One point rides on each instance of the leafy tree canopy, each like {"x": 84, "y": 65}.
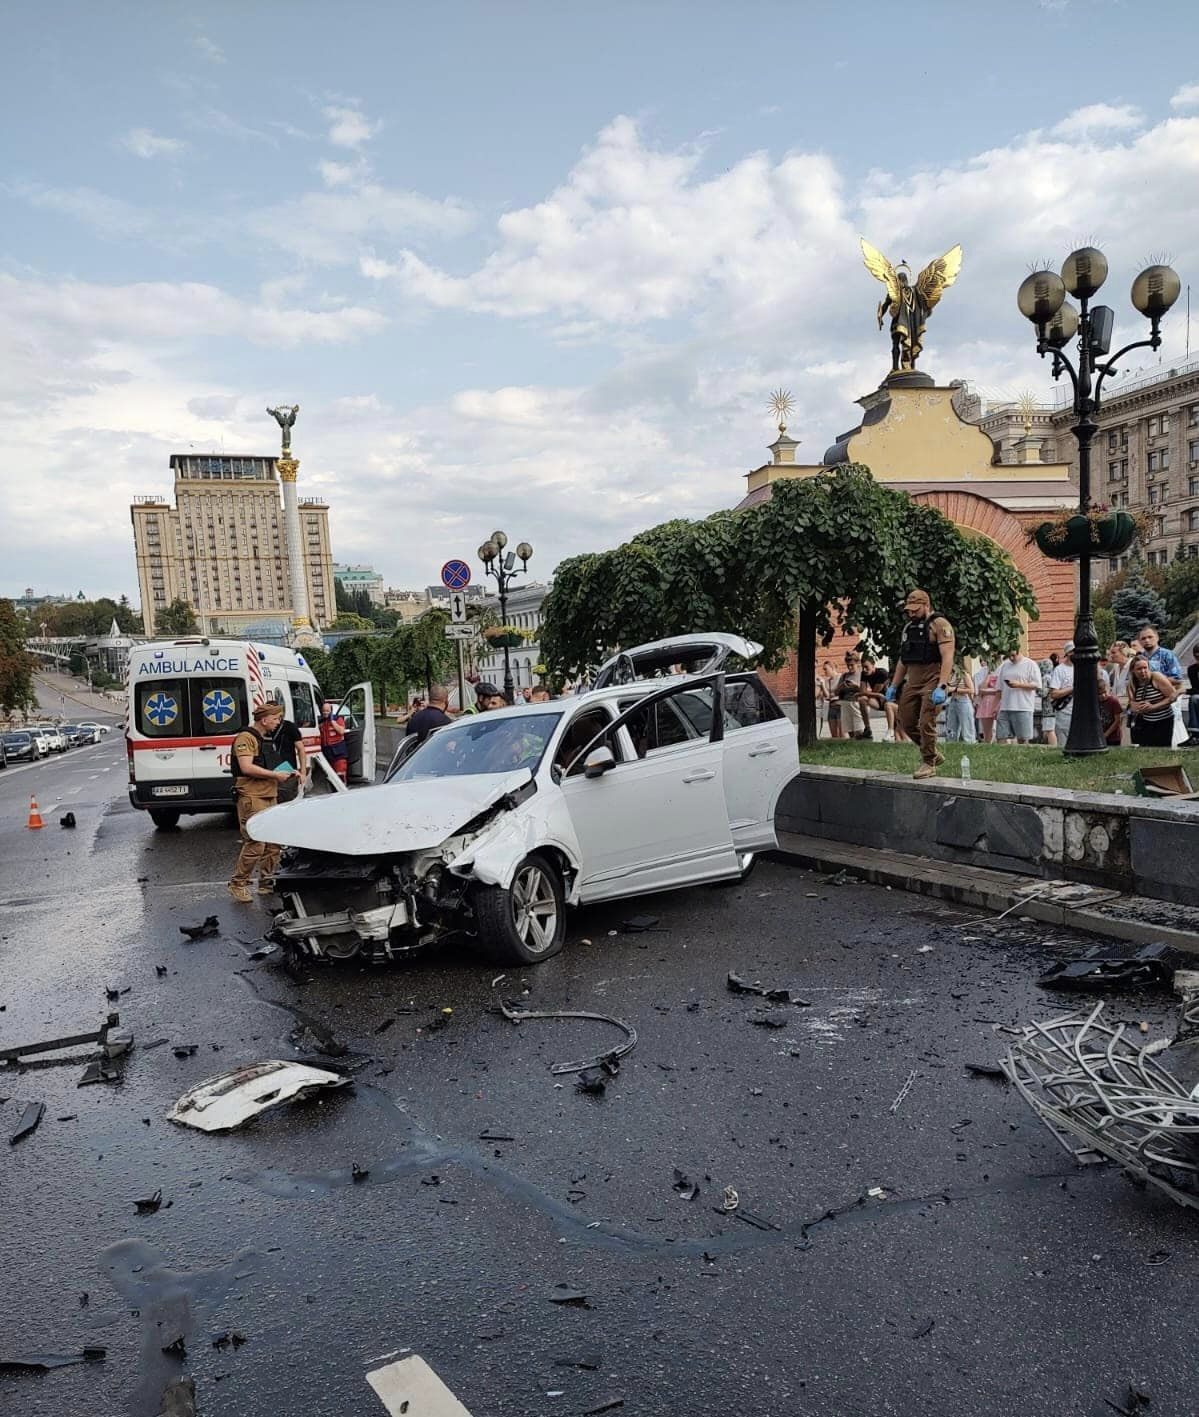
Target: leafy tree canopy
{"x": 16, "y": 663}
{"x": 177, "y": 619}
{"x": 1137, "y": 604}
{"x": 1182, "y": 596}
{"x": 837, "y": 549}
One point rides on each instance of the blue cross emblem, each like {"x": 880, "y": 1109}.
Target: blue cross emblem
{"x": 161, "y": 709}
{"x": 218, "y": 706}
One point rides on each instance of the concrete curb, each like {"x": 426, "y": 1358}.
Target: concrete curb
{"x": 969, "y": 885}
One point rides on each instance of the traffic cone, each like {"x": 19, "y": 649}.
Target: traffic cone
{"x": 35, "y": 817}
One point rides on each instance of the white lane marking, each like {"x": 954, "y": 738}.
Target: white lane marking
{"x": 412, "y": 1386}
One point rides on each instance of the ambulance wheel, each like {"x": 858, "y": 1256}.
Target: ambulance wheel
{"x": 164, "y": 818}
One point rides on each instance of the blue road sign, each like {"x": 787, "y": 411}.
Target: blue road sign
{"x": 455, "y": 575}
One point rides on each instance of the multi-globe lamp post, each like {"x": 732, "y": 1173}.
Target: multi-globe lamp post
{"x": 503, "y": 568}
{"x": 1042, "y": 299}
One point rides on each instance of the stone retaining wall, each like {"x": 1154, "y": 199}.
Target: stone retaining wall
{"x": 1132, "y": 844}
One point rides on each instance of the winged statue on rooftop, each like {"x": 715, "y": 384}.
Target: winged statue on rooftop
{"x": 285, "y": 417}
{"x": 910, "y": 304}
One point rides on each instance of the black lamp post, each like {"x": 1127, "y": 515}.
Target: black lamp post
{"x": 1042, "y": 299}
{"x": 502, "y": 567}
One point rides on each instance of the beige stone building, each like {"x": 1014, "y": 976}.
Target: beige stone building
{"x": 222, "y": 547}
{"x": 1145, "y": 457}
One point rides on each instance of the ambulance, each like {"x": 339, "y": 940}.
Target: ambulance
{"x": 189, "y": 698}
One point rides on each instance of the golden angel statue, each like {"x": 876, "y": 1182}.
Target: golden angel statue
{"x": 910, "y": 305}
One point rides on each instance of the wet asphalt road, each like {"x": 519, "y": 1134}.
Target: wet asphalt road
{"x": 993, "y": 1277}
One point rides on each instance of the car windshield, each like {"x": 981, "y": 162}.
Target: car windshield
{"x": 17, "y": 738}
{"x": 483, "y": 744}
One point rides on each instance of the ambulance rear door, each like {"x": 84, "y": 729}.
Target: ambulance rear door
{"x": 357, "y": 712}
{"x": 160, "y": 743}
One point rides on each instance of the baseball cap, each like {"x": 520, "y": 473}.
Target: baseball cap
{"x": 1068, "y": 647}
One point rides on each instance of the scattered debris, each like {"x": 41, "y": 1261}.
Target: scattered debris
{"x": 568, "y": 1294}
{"x": 411, "y": 1386}
{"x": 385, "y": 1025}
{"x": 731, "y": 1199}
{"x": 737, "y": 985}
{"x": 229, "y": 1337}
{"x": 1102, "y": 1095}
{"x": 640, "y": 924}
{"x": 1168, "y": 781}
{"x": 925, "y": 1329}
{"x": 99, "y": 1071}
{"x": 178, "y": 1399}
{"x": 495, "y": 1136}
{"x": 986, "y": 1070}
{"x": 877, "y": 1193}
{"x": 204, "y": 931}
{"x": 904, "y": 1090}
{"x": 358, "y": 1173}
{"x": 925, "y": 950}
{"x": 610, "y": 1406}
{"x": 110, "y": 1036}
{"x": 185, "y": 1050}
{"x": 44, "y": 1362}
{"x": 267, "y": 951}
{"x": 28, "y": 1121}
{"x": 67, "y": 820}
{"x": 177, "y": 1348}
{"x": 612, "y": 1055}
{"x": 149, "y": 1205}
{"x": 592, "y": 1081}
{"x": 685, "y": 1186}
{"x": 1100, "y": 969}
{"x": 219, "y": 1104}
{"x": 160, "y": 970}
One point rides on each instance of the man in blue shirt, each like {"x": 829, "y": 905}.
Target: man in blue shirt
{"x": 1161, "y": 660}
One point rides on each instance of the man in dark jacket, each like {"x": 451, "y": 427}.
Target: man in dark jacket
{"x": 425, "y": 720}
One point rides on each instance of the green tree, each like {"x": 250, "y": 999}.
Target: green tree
{"x": 1105, "y": 628}
{"x": 16, "y": 663}
{"x": 837, "y": 549}
{"x": 1153, "y": 576}
{"x": 1182, "y": 597}
{"x": 321, "y": 663}
{"x": 342, "y": 598}
{"x": 347, "y": 620}
{"x": 177, "y": 619}
{"x": 1137, "y": 604}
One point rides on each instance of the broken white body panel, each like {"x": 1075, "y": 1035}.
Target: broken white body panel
{"x": 636, "y": 787}
{"x": 412, "y": 1388}
{"x": 219, "y": 1104}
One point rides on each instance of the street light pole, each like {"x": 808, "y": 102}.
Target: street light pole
{"x": 502, "y": 569}
{"x": 1042, "y": 299}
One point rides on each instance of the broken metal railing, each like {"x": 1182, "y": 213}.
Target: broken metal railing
{"x": 1102, "y": 1095}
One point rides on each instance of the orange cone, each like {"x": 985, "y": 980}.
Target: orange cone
{"x": 35, "y": 817}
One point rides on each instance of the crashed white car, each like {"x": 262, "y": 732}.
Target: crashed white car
{"x": 499, "y": 821}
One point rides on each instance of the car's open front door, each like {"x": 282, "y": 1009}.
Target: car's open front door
{"x": 357, "y": 712}
{"x": 657, "y": 818}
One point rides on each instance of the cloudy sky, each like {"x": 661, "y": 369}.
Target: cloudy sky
{"x": 534, "y": 264}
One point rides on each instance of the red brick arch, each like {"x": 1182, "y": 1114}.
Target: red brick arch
{"x": 1053, "y": 582}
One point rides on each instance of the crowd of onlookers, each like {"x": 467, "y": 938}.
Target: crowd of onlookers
{"x": 1142, "y": 691}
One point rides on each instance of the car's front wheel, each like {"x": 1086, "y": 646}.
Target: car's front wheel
{"x": 527, "y": 922}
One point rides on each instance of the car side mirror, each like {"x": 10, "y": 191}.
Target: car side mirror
{"x": 599, "y": 762}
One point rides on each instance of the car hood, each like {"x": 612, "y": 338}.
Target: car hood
{"x": 395, "y": 817}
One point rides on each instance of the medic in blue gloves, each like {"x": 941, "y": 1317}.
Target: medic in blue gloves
{"x": 920, "y": 683}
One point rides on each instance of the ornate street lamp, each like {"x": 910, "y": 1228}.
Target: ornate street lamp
{"x": 1042, "y": 300}
{"x": 502, "y": 568}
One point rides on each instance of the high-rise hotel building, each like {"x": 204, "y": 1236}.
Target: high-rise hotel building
{"x": 222, "y": 547}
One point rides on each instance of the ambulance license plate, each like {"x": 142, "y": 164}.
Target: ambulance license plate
{"x": 168, "y": 792}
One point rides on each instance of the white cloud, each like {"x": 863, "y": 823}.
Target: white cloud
{"x": 224, "y": 125}
{"x": 111, "y": 216}
{"x": 349, "y": 127}
{"x": 1099, "y": 118}
{"x": 342, "y": 174}
{"x": 141, "y": 142}
{"x": 210, "y": 51}
{"x": 1185, "y": 97}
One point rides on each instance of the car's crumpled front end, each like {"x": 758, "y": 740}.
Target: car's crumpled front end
{"x": 386, "y": 902}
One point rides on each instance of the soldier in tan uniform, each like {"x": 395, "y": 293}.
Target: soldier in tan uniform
{"x": 256, "y": 780}
{"x": 921, "y": 678}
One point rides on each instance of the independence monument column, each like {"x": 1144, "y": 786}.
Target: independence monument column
{"x": 302, "y": 632}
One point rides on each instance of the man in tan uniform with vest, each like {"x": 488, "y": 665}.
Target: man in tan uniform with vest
{"x": 256, "y": 780}
{"x": 921, "y": 678}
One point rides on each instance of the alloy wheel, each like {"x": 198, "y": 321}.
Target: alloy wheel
{"x": 534, "y": 908}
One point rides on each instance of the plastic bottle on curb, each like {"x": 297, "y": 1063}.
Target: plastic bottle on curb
{"x": 965, "y": 767}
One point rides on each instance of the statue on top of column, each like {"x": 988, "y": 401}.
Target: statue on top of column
{"x": 285, "y": 417}
{"x": 910, "y": 305}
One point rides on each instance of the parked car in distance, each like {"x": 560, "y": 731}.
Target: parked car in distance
{"x": 666, "y": 776}
{"x": 80, "y": 733}
{"x": 100, "y": 728}
{"x": 3, "y": 753}
{"x": 20, "y": 746}
{"x": 42, "y": 742}
{"x": 56, "y": 742}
